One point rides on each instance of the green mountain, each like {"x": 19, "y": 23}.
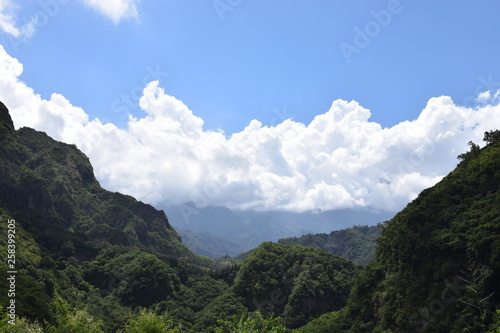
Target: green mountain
{"x": 357, "y": 243}
{"x": 84, "y": 259}
{"x": 209, "y": 245}
{"x": 437, "y": 266}
{"x": 52, "y": 184}
{"x": 295, "y": 282}
{"x": 78, "y": 258}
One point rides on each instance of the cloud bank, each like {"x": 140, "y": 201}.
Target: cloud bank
{"x": 340, "y": 160}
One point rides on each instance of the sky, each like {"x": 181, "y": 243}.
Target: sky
{"x": 265, "y": 105}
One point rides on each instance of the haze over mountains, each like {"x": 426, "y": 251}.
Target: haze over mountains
{"x": 245, "y": 230}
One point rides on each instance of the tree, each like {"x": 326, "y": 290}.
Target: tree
{"x": 474, "y": 152}
{"x": 253, "y": 323}
{"x": 73, "y": 321}
{"x": 23, "y": 325}
{"x": 492, "y": 137}
{"x": 149, "y": 322}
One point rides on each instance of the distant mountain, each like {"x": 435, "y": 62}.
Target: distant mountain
{"x": 357, "y": 243}
{"x": 249, "y": 229}
{"x": 86, "y": 259}
{"x": 208, "y": 245}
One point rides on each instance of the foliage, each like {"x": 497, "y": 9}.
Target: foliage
{"x": 297, "y": 282}
{"x": 356, "y": 243}
{"x": 103, "y": 253}
{"x": 149, "y": 322}
{"x": 22, "y": 325}
{"x": 250, "y": 323}
{"x": 438, "y": 261}
{"x": 73, "y": 321}
{"x": 209, "y": 245}
{"x": 87, "y": 258}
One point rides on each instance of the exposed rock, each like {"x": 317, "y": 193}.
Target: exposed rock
{"x": 5, "y": 119}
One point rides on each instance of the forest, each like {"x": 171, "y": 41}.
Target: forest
{"x": 89, "y": 260}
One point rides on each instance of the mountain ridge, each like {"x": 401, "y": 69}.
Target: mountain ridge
{"x": 437, "y": 261}
{"x": 92, "y": 260}
{"x": 100, "y": 261}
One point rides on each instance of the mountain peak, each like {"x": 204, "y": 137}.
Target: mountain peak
{"x": 5, "y": 118}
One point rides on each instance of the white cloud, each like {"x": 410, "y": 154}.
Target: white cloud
{"x": 8, "y": 21}
{"x": 116, "y": 10}
{"x": 339, "y": 160}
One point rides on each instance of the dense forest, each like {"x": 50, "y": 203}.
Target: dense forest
{"x": 356, "y": 244}
{"x": 88, "y": 260}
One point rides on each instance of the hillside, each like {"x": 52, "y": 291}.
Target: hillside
{"x": 42, "y": 179}
{"x": 295, "y": 282}
{"x": 437, "y": 266}
{"x": 209, "y": 245}
{"x": 88, "y": 260}
{"x": 357, "y": 243}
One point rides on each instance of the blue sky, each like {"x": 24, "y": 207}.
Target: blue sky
{"x": 264, "y": 59}
{"x": 213, "y": 129}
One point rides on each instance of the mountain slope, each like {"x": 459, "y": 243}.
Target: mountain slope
{"x": 55, "y": 182}
{"x": 208, "y": 245}
{"x": 73, "y": 239}
{"x": 356, "y": 243}
{"x": 438, "y": 261}
{"x": 91, "y": 260}
{"x": 298, "y": 283}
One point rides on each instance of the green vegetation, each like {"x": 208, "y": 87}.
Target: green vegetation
{"x": 297, "y": 283}
{"x": 438, "y": 261}
{"x": 248, "y": 324}
{"x": 357, "y": 243}
{"x": 89, "y": 260}
{"x": 209, "y": 245}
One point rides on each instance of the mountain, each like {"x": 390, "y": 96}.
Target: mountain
{"x": 248, "y": 228}
{"x": 78, "y": 258}
{"x": 295, "y": 282}
{"x": 208, "y": 245}
{"x": 357, "y": 243}
{"x": 54, "y": 184}
{"x": 437, "y": 266}
{"x": 85, "y": 259}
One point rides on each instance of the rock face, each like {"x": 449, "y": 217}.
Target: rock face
{"x": 5, "y": 119}
{"x": 55, "y": 183}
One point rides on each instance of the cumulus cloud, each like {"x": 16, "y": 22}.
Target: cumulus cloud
{"x": 116, "y": 10}
{"x": 340, "y": 160}
{"x": 8, "y": 21}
